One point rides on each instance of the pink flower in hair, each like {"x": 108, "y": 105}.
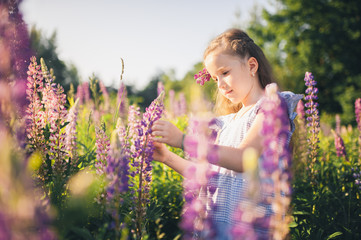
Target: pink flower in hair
{"x": 202, "y": 77}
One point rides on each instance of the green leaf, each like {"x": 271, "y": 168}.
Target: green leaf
{"x": 300, "y": 213}
{"x": 82, "y": 232}
{"x": 333, "y": 235}
{"x": 64, "y": 125}
{"x": 292, "y": 225}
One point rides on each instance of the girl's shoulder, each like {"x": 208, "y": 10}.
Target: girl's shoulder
{"x": 291, "y": 99}
{"x": 220, "y": 121}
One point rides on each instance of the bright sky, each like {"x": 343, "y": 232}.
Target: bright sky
{"x": 151, "y": 36}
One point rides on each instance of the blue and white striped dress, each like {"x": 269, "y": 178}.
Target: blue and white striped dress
{"x": 231, "y": 186}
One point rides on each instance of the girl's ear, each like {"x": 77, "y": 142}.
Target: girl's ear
{"x": 252, "y": 65}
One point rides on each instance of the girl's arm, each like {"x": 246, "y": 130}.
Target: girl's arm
{"x": 172, "y": 160}
{"x": 232, "y": 158}
{"x": 228, "y": 157}
{"x": 168, "y": 133}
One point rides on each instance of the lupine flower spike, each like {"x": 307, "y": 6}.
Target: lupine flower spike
{"x": 313, "y": 120}
{"x": 117, "y": 173}
{"x": 70, "y": 138}
{"x": 105, "y": 93}
{"x": 276, "y": 161}
{"x": 358, "y": 120}
{"x": 143, "y": 153}
{"x": 102, "y": 146}
{"x": 196, "y": 220}
{"x": 339, "y": 145}
{"x": 35, "y": 117}
{"x": 54, "y": 100}
{"x": 202, "y": 77}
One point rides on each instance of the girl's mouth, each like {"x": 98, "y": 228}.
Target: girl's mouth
{"x": 228, "y": 92}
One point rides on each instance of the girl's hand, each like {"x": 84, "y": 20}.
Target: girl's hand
{"x": 160, "y": 153}
{"x": 168, "y": 133}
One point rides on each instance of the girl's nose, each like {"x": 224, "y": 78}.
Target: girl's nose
{"x": 221, "y": 83}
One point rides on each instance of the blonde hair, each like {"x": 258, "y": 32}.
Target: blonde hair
{"x": 236, "y": 42}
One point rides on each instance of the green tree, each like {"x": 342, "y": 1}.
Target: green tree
{"x": 46, "y": 48}
{"x": 320, "y": 36}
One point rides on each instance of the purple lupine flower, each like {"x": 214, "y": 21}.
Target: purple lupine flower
{"x": 70, "y": 138}
{"x": 117, "y": 173}
{"x": 102, "y": 145}
{"x": 313, "y": 120}
{"x": 275, "y": 168}
{"x": 202, "y": 77}
{"x": 15, "y": 53}
{"x": 339, "y": 145}
{"x": 143, "y": 156}
{"x": 118, "y": 161}
{"x": 197, "y": 187}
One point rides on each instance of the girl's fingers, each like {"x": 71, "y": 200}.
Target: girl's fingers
{"x": 160, "y": 140}
{"x": 157, "y": 133}
{"x": 157, "y": 126}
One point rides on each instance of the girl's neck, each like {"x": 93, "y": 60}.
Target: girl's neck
{"x": 254, "y": 95}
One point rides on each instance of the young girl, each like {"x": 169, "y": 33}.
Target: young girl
{"x": 242, "y": 73}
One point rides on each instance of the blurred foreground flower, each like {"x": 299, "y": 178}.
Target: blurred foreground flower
{"x": 199, "y": 145}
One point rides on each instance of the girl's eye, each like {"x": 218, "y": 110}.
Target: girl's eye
{"x": 225, "y": 73}
{"x": 215, "y": 79}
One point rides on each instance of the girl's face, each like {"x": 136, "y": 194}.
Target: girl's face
{"x": 232, "y": 74}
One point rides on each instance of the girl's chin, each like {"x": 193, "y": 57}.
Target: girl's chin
{"x": 234, "y": 100}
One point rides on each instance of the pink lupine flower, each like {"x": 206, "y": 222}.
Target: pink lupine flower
{"x": 275, "y": 170}
{"x": 86, "y": 92}
{"x": 340, "y": 146}
{"x": 202, "y": 77}
{"x": 196, "y": 221}
{"x": 80, "y": 94}
{"x": 121, "y": 100}
{"x": 143, "y": 155}
{"x": 70, "y": 138}
{"x": 358, "y": 121}
{"x": 34, "y": 114}
{"x": 54, "y": 100}
{"x": 104, "y": 90}
{"x": 102, "y": 146}
{"x": 358, "y": 113}
{"x": 182, "y": 104}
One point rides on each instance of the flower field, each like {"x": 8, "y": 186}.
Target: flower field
{"x": 79, "y": 166}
